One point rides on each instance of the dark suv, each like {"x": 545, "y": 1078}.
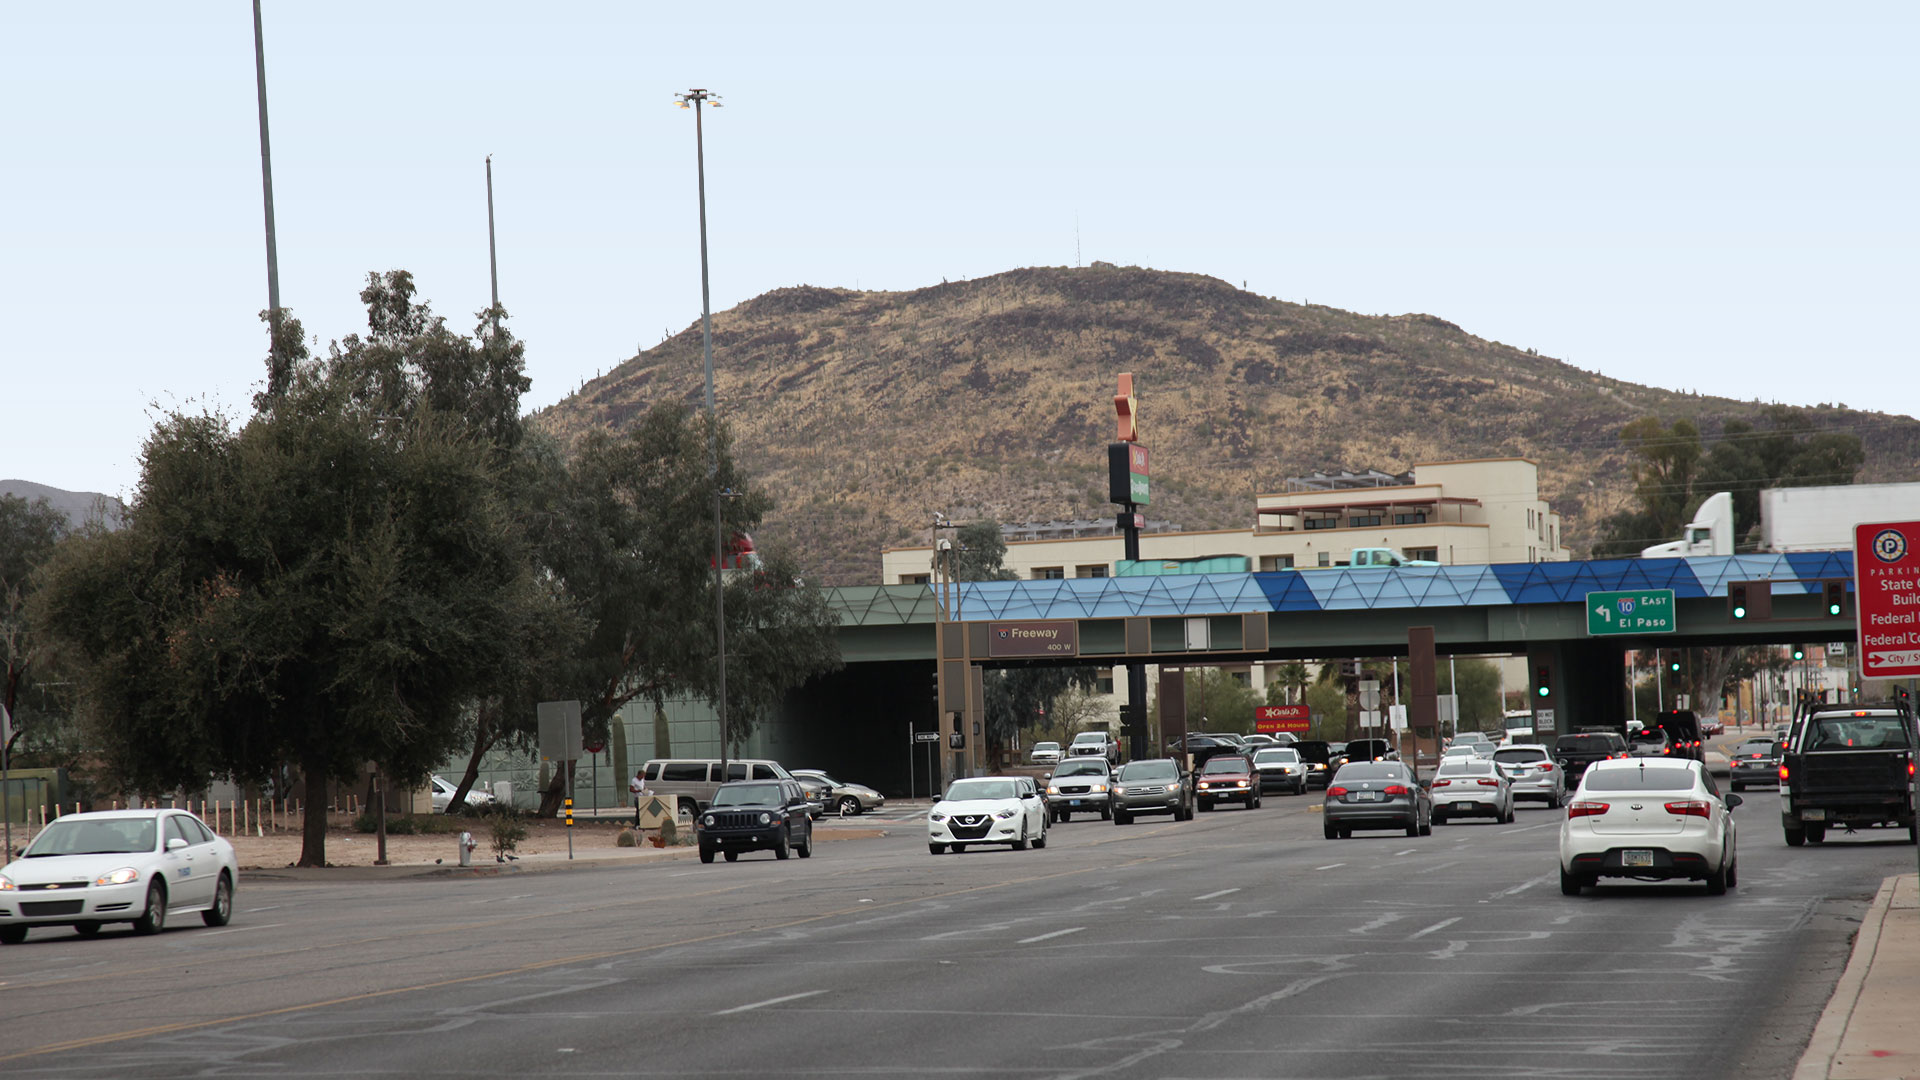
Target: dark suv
{"x": 756, "y": 815}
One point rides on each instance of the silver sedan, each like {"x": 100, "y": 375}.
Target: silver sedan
{"x": 846, "y": 799}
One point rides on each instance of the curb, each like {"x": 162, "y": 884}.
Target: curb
{"x": 1817, "y": 1062}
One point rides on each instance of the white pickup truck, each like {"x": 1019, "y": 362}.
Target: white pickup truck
{"x": 1095, "y": 744}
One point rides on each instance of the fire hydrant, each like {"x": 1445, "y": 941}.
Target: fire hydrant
{"x": 466, "y": 849}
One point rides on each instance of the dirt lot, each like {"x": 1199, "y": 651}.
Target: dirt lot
{"x": 346, "y": 847}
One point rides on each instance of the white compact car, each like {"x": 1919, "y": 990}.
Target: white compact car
{"x": 1471, "y": 787}
{"x": 1654, "y": 819}
{"x": 443, "y": 790}
{"x": 988, "y": 810}
{"x": 132, "y": 866}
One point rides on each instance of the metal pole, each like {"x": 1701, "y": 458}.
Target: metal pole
{"x": 6, "y": 781}
{"x": 493, "y": 264}
{"x": 1659, "y": 682}
{"x": 276, "y": 374}
{"x": 699, "y": 98}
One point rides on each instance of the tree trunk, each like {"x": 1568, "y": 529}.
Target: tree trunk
{"x": 313, "y": 829}
{"x": 1715, "y": 663}
{"x": 483, "y": 740}
{"x": 556, "y": 793}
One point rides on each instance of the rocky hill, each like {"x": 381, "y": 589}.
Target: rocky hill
{"x": 866, "y": 412}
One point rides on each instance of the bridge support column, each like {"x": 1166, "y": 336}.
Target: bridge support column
{"x": 1423, "y": 714}
{"x": 1584, "y": 687}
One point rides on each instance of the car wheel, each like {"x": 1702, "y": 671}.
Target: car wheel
{"x": 1413, "y": 825}
{"x": 1733, "y": 872}
{"x": 1913, "y": 833}
{"x": 1121, "y": 817}
{"x": 805, "y": 850}
{"x": 1201, "y": 805}
{"x": 221, "y": 912}
{"x": 1346, "y": 834}
{"x": 1020, "y": 844}
{"x": 1255, "y": 805}
{"x": 706, "y": 854}
{"x": 849, "y": 806}
{"x": 154, "y": 919}
{"x": 1106, "y": 813}
{"x": 87, "y": 929}
{"x": 958, "y": 848}
{"x": 936, "y": 849}
{"x": 1816, "y": 834}
{"x": 1427, "y": 829}
{"x": 1796, "y": 837}
{"x": 1332, "y": 833}
{"x": 1717, "y": 882}
{"x": 1041, "y": 840}
{"x": 781, "y": 848}
{"x": 12, "y": 935}
{"x": 1569, "y": 885}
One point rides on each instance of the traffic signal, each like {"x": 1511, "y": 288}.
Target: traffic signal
{"x": 1836, "y": 596}
{"x": 1799, "y": 652}
{"x": 1675, "y": 665}
{"x": 1543, "y": 680}
{"x": 1737, "y": 600}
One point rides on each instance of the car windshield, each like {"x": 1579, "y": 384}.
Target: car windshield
{"x": 1150, "y": 770}
{"x": 1470, "y": 736}
{"x": 1470, "y": 767}
{"x": 1855, "y": 733}
{"x": 747, "y": 795}
{"x": 1225, "y": 763}
{"x": 966, "y": 790}
{"x": 1643, "y": 778}
{"x": 1459, "y": 752}
{"x": 109, "y": 836}
{"x": 1094, "y": 767}
{"x": 1370, "y": 770}
{"x": 1520, "y": 753}
{"x": 1276, "y": 754}
{"x": 1046, "y": 746}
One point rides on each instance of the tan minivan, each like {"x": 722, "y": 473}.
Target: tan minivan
{"x": 689, "y": 783}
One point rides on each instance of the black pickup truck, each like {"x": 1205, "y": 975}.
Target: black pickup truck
{"x": 1847, "y": 767}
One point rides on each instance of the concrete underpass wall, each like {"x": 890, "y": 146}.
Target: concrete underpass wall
{"x": 854, "y": 724}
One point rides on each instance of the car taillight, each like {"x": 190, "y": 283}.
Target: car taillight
{"x": 1783, "y": 774}
{"x": 1489, "y": 783}
{"x": 1396, "y": 789}
{"x": 1689, "y": 808}
{"x": 1909, "y": 768}
{"x": 1443, "y": 783}
{"x": 1546, "y": 766}
{"x": 1336, "y": 790}
{"x": 1586, "y": 809}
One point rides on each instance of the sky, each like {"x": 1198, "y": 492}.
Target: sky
{"x": 1703, "y": 197}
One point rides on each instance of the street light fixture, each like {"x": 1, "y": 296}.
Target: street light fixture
{"x": 695, "y": 99}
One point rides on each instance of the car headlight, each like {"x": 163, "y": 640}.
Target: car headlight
{"x": 766, "y": 819}
{"x": 1097, "y": 788}
{"x": 708, "y": 820}
{"x": 1007, "y": 813}
{"x": 1053, "y": 789}
{"x": 1119, "y": 789}
{"x": 1239, "y": 783}
{"x": 6, "y": 884}
{"x": 118, "y": 877}
{"x": 936, "y": 816}
{"x": 1204, "y": 785}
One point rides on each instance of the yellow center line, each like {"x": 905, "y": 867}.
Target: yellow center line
{"x": 581, "y": 958}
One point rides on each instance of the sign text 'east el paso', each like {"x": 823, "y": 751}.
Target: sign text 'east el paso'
{"x": 1043, "y": 637}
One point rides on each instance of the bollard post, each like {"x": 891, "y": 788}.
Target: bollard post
{"x": 569, "y": 827}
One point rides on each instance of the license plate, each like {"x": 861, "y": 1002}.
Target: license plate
{"x": 1074, "y": 802}
{"x": 1368, "y": 796}
{"x": 1636, "y": 858}
{"x": 1813, "y": 815}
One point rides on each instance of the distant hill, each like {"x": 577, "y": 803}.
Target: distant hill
{"x": 79, "y": 506}
{"x": 866, "y": 412}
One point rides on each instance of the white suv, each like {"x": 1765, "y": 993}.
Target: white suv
{"x": 1095, "y": 744}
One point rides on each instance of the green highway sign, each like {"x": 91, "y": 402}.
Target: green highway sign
{"x": 1641, "y": 611}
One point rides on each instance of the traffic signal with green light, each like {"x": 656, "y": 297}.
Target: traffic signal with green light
{"x": 1737, "y": 600}
{"x": 1835, "y": 592}
{"x": 1799, "y": 652}
{"x": 1675, "y": 665}
{"x": 1543, "y": 681}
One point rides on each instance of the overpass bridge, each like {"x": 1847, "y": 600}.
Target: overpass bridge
{"x": 890, "y": 634}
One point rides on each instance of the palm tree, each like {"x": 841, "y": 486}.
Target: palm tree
{"x": 1292, "y": 681}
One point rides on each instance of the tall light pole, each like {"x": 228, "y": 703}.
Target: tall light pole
{"x": 695, "y": 99}
{"x": 278, "y": 376}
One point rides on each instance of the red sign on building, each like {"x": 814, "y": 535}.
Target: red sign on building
{"x": 1886, "y": 602}
{"x": 1272, "y": 719}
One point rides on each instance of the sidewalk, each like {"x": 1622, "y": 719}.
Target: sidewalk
{"x": 1867, "y": 1031}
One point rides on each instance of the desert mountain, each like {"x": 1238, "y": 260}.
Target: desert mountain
{"x": 866, "y": 412}
{"x": 79, "y": 506}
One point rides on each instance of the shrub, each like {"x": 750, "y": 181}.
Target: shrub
{"x": 507, "y": 834}
{"x": 404, "y": 824}
{"x": 625, "y": 839}
{"x": 669, "y": 831}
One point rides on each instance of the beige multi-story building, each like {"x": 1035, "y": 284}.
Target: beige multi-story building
{"x": 1451, "y": 512}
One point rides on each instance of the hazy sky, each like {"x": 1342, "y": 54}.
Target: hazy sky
{"x": 1701, "y": 197}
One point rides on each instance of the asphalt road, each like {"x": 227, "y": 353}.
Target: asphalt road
{"x": 1241, "y": 944}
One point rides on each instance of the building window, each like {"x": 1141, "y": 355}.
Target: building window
{"x": 1049, "y": 573}
{"x": 1090, "y": 571}
{"x": 1321, "y": 523}
{"x": 1326, "y": 558}
{"x": 1431, "y": 554}
{"x": 1104, "y": 684}
{"x": 1361, "y": 521}
{"x": 1276, "y": 562}
{"x": 916, "y": 579}
{"x": 1418, "y": 517}
{"x": 1241, "y": 677}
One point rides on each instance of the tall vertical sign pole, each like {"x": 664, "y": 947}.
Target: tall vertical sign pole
{"x": 493, "y": 262}
{"x": 6, "y": 782}
{"x": 278, "y": 377}
{"x": 1127, "y": 485}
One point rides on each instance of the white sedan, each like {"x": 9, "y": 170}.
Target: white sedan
{"x": 1654, "y": 819}
{"x": 132, "y": 866}
{"x": 443, "y": 791}
{"x": 988, "y": 810}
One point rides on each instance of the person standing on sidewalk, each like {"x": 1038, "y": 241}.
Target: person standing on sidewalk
{"x": 637, "y": 788}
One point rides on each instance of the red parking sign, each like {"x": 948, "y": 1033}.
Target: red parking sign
{"x": 1272, "y": 719}
{"x": 1886, "y": 602}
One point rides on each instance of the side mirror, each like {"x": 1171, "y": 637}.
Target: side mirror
{"x": 176, "y": 844}
{"x": 1028, "y": 795}
{"x": 1732, "y": 801}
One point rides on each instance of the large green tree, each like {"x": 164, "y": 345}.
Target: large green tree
{"x": 28, "y": 533}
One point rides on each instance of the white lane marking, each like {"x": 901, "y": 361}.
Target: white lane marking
{"x": 1217, "y": 892}
{"x": 254, "y": 910}
{"x": 1530, "y": 828}
{"x": 1522, "y": 887}
{"x": 1330, "y": 866}
{"x": 1441, "y": 925}
{"x": 237, "y": 929}
{"x": 1409, "y": 851}
{"x": 769, "y": 1001}
{"x": 1055, "y": 934}
{"x": 1389, "y": 917}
